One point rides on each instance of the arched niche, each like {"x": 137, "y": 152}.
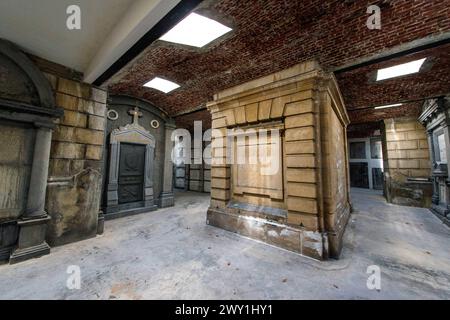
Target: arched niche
{"x": 27, "y": 118}
{"x": 134, "y": 125}
{"x": 23, "y": 87}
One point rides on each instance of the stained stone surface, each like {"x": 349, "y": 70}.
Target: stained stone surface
{"x": 73, "y": 205}
{"x": 172, "y": 254}
{"x": 15, "y": 168}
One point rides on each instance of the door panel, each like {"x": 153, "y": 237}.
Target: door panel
{"x": 359, "y": 175}
{"x": 131, "y": 173}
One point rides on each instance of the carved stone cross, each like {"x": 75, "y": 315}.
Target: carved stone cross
{"x": 136, "y": 115}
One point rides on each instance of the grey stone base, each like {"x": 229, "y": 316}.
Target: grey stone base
{"x": 20, "y": 255}
{"x": 129, "y": 212}
{"x": 441, "y": 213}
{"x": 335, "y": 239}
{"x": 166, "y": 200}
{"x": 100, "y": 223}
{"x": 307, "y": 243}
{"x": 5, "y": 254}
{"x": 31, "y": 243}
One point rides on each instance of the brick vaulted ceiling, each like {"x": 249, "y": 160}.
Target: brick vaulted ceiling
{"x": 271, "y": 35}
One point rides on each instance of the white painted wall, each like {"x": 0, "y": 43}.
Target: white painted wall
{"x": 108, "y": 29}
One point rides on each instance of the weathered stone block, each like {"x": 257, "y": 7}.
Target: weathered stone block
{"x": 65, "y": 167}
{"x": 423, "y": 144}
{"x": 73, "y": 206}
{"x": 308, "y": 221}
{"x": 74, "y": 119}
{"x": 397, "y": 154}
{"x": 88, "y": 136}
{"x": 303, "y": 120}
{"x": 220, "y": 172}
{"x": 65, "y": 150}
{"x": 219, "y": 123}
{"x": 264, "y": 109}
{"x": 74, "y": 88}
{"x": 303, "y": 190}
{"x": 94, "y": 152}
{"x": 417, "y": 135}
{"x": 251, "y": 112}
{"x": 408, "y": 164}
{"x": 221, "y": 183}
{"x": 306, "y": 133}
{"x": 425, "y": 164}
{"x": 402, "y": 145}
{"x": 67, "y": 102}
{"x": 220, "y": 194}
{"x": 300, "y": 161}
{"x": 99, "y": 95}
{"x": 239, "y": 115}
{"x": 302, "y": 205}
{"x": 301, "y": 175}
{"x": 420, "y": 173}
{"x": 64, "y": 134}
{"x": 396, "y": 136}
{"x": 229, "y": 116}
{"x": 418, "y": 154}
{"x": 96, "y": 123}
{"x": 299, "y": 107}
{"x": 194, "y": 174}
{"x": 405, "y": 126}
{"x": 300, "y": 147}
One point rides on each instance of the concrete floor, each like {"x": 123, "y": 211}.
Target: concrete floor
{"x": 172, "y": 254}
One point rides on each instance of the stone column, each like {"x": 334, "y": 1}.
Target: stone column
{"x": 435, "y": 197}
{"x": 445, "y": 126}
{"x": 148, "y": 191}
{"x": 112, "y": 196}
{"x": 33, "y": 223}
{"x": 167, "y": 197}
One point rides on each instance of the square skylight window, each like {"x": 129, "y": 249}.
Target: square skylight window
{"x": 163, "y": 85}
{"x": 400, "y": 70}
{"x": 390, "y": 106}
{"x": 195, "y": 30}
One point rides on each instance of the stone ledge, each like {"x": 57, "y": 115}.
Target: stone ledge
{"x": 304, "y": 242}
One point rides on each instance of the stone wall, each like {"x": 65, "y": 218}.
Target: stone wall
{"x": 199, "y": 177}
{"x": 304, "y": 206}
{"x": 75, "y": 172}
{"x": 406, "y": 162}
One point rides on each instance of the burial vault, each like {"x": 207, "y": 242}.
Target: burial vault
{"x": 304, "y": 205}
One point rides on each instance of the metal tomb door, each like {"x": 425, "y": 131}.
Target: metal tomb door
{"x": 131, "y": 173}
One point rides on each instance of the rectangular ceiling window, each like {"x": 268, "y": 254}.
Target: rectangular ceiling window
{"x": 163, "y": 85}
{"x": 389, "y": 106}
{"x": 195, "y": 30}
{"x": 400, "y": 70}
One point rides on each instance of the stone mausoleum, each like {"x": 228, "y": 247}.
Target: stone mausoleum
{"x": 179, "y": 135}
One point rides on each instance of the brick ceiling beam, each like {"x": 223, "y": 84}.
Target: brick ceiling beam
{"x": 398, "y": 51}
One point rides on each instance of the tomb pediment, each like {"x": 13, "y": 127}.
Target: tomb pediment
{"x": 132, "y": 133}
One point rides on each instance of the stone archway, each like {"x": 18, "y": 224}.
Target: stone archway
{"x": 26, "y": 101}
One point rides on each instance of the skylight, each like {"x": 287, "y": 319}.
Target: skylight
{"x": 390, "y": 106}
{"x": 195, "y": 30}
{"x": 400, "y": 70}
{"x": 163, "y": 85}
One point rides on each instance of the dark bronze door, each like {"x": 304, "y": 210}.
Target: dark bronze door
{"x": 131, "y": 173}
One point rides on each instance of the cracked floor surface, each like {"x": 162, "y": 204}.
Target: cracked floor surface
{"x": 173, "y": 254}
